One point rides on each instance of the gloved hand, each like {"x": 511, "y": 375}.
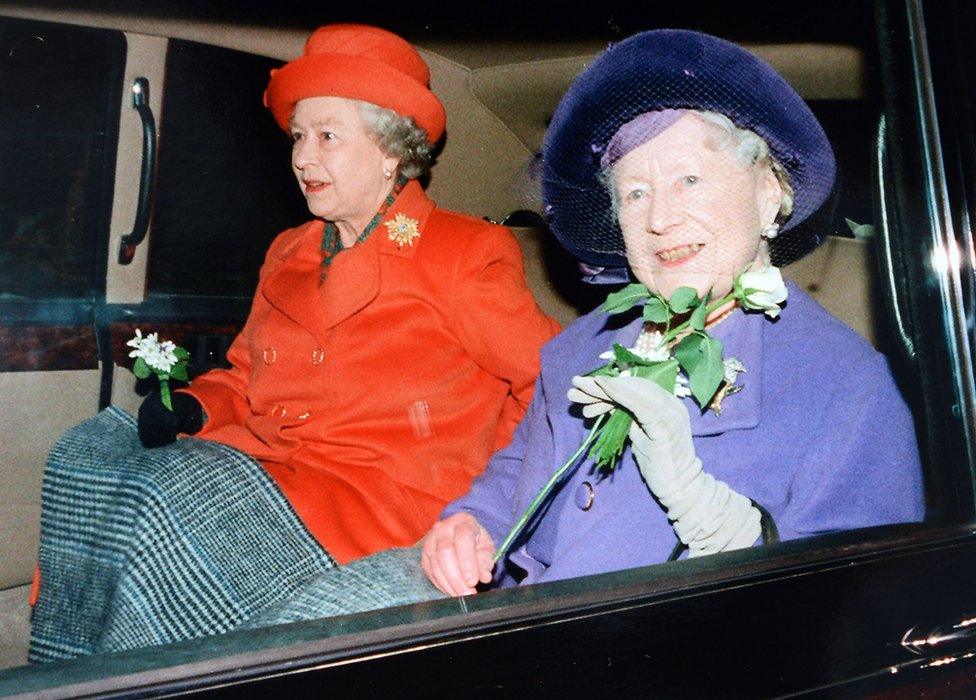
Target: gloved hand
{"x": 708, "y": 516}
{"x": 158, "y": 426}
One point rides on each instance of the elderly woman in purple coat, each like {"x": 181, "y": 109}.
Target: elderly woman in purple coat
{"x": 739, "y": 410}
{"x": 692, "y": 162}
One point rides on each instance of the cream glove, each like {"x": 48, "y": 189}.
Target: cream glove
{"x": 708, "y": 516}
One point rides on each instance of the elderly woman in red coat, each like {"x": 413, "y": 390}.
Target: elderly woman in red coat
{"x": 391, "y": 347}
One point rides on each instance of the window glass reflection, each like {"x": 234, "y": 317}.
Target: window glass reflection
{"x": 57, "y": 127}
{"x": 224, "y": 187}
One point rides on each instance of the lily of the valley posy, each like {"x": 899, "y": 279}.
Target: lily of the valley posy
{"x": 160, "y": 357}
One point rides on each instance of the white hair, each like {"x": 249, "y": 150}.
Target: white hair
{"x": 747, "y": 145}
{"x": 398, "y": 137}
{"x": 750, "y": 147}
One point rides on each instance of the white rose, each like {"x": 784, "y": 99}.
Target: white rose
{"x": 762, "y": 290}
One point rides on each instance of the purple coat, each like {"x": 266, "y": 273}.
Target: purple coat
{"x": 820, "y": 436}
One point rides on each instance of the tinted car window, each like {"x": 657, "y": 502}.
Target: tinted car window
{"x": 58, "y": 129}
{"x": 850, "y": 127}
{"x": 224, "y": 186}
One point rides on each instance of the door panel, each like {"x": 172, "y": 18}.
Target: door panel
{"x": 145, "y": 59}
{"x": 224, "y": 190}
{"x": 59, "y": 122}
{"x": 37, "y": 408}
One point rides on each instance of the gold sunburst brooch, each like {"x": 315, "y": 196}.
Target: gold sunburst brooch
{"x": 403, "y": 230}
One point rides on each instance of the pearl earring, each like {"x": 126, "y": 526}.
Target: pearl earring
{"x": 769, "y": 231}
{"x": 387, "y": 173}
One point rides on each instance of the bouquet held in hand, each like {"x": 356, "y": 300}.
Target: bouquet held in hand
{"x": 160, "y": 357}
{"x": 674, "y": 351}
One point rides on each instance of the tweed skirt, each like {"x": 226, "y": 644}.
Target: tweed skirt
{"x": 142, "y": 547}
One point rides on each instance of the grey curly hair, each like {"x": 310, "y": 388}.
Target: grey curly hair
{"x": 398, "y": 137}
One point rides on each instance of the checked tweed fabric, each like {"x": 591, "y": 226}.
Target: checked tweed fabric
{"x": 382, "y": 580}
{"x": 142, "y": 547}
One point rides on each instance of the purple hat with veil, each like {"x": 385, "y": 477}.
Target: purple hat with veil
{"x": 597, "y": 122}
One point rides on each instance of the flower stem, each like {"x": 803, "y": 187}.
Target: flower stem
{"x": 719, "y": 303}
{"x": 609, "y": 444}
{"x": 544, "y": 493}
{"x": 164, "y": 392}
{"x": 672, "y": 333}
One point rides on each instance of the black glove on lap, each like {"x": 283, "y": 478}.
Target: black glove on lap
{"x": 159, "y": 426}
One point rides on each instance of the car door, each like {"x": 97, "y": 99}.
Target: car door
{"x": 59, "y": 132}
{"x": 133, "y": 194}
{"x": 222, "y": 190}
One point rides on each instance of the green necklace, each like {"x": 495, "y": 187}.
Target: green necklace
{"x": 332, "y": 241}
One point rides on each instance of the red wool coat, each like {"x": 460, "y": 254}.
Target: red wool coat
{"x": 374, "y": 399}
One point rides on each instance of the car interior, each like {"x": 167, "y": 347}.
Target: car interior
{"x": 224, "y": 189}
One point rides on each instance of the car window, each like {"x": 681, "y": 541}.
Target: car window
{"x": 224, "y": 185}
{"x": 58, "y": 128}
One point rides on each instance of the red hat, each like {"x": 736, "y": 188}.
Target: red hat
{"x": 362, "y": 63}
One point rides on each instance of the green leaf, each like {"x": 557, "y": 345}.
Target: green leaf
{"x": 607, "y": 370}
{"x": 179, "y": 372}
{"x": 181, "y": 353}
{"x": 609, "y": 444}
{"x": 708, "y": 375}
{"x": 656, "y": 311}
{"x": 663, "y": 373}
{"x": 141, "y": 369}
{"x": 683, "y": 299}
{"x": 625, "y": 299}
{"x": 697, "y": 320}
{"x": 627, "y": 358}
{"x": 688, "y": 352}
{"x": 164, "y": 391}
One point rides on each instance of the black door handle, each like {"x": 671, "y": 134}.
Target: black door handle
{"x": 140, "y": 102}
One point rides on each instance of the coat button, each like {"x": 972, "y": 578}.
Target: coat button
{"x": 318, "y": 356}
{"x": 270, "y": 355}
{"x": 584, "y": 496}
